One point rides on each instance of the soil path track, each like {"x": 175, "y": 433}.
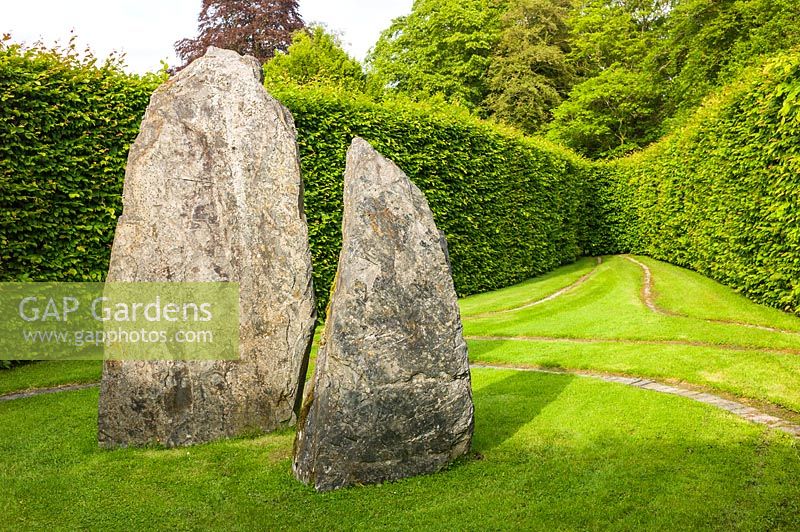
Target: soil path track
{"x": 648, "y": 296}
{"x": 551, "y": 297}
{"x": 45, "y": 391}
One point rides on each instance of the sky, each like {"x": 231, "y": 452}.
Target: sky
{"x": 147, "y": 29}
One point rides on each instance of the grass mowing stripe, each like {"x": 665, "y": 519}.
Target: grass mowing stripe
{"x": 609, "y": 306}
{"x": 691, "y": 294}
{"x": 528, "y": 291}
{"x": 557, "y": 339}
{"x": 736, "y": 408}
{"x": 649, "y": 299}
{"x": 545, "y": 299}
{"x": 556, "y": 452}
{"x": 757, "y": 376}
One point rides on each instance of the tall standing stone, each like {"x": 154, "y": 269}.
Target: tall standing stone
{"x": 391, "y": 395}
{"x": 213, "y": 193}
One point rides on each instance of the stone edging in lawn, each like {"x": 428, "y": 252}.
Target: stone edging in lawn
{"x": 618, "y": 341}
{"x": 740, "y": 410}
{"x": 46, "y": 391}
{"x": 743, "y": 411}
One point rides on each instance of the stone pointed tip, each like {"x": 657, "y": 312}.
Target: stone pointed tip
{"x": 224, "y": 54}
{"x": 393, "y": 354}
{"x": 213, "y": 51}
{"x": 361, "y": 145}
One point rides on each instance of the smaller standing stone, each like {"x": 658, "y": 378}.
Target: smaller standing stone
{"x": 391, "y": 395}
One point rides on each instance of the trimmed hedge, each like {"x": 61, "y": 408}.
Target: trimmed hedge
{"x": 65, "y": 128}
{"x": 722, "y": 194}
{"x": 511, "y": 207}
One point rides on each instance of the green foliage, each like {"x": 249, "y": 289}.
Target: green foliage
{"x": 609, "y": 32}
{"x": 65, "y": 128}
{"x": 620, "y": 104}
{"x": 722, "y": 194}
{"x": 315, "y": 57}
{"x": 511, "y": 207}
{"x": 675, "y": 53}
{"x": 443, "y": 47}
{"x": 719, "y": 196}
{"x": 641, "y": 66}
{"x": 709, "y": 42}
{"x": 8, "y": 364}
{"x": 609, "y": 115}
{"x": 529, "y": 74}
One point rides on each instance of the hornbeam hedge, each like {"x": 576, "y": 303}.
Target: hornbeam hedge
{"x": 722, "y": 194}
{"x": 65, "y": 128}
{"x": 511, "y": 207}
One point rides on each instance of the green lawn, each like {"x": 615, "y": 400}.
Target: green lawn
{"x": 700, "y": 297}
{"x": 609, "y": 306}
{"x": 633, "y": 340}
{"x": 49, "y": 374}
{"x": 557, "y": 452}
{"x": 529, "y": 291}
{"x": 551, "y": 452}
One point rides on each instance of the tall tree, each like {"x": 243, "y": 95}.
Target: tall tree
{"x": 710, "y": 41}
{"x": 610, "y": 114}
{"x": 443, "y": 47}
{"x": 529, "y": 74}
{"x": 619, "y": 105}
{"x": 254, "y": 27}
{"x": 621, "y": 32}
{"x": 316, "y": 57}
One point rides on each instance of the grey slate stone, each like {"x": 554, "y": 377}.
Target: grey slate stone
{"x": 391, "y": 396}
{"x": 213, "y": 193}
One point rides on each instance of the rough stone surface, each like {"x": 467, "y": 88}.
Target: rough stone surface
{"x": 391, "y": 396}
{"x": 213, "y": 193}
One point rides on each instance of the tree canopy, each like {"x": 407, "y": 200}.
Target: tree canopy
{"x": 603, "y": 76}
{"x": 444, "y": 47}
{"x": 529, "y": 74}
{"x": 253, "y": 27}
{"x": 316, "y": 57}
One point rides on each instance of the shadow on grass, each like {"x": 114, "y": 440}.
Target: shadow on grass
{"x": 508, "y": 403}
{"x": 604, "y": 457}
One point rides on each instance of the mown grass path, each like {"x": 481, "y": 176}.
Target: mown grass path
{"x": 648, "y": 290}
{"x": 637, "y": 317}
